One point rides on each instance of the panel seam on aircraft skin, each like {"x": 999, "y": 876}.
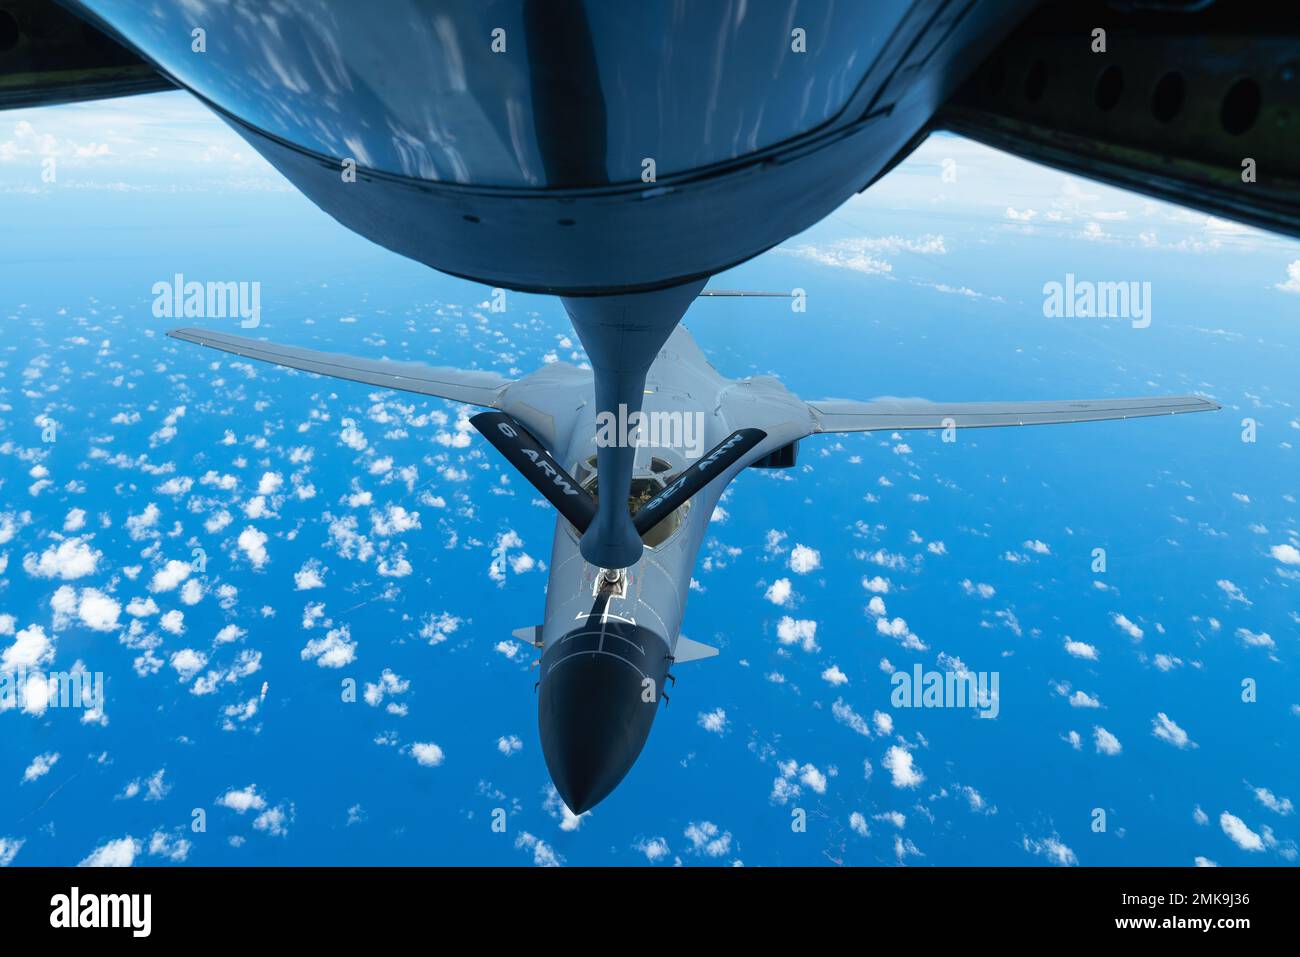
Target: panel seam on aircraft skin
{"x": 606, "y": 654}
{"x": 663, "y": 628}
{"x": 594, "y": 634}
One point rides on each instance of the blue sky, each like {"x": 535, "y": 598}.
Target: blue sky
{"x": 345, "y": 533}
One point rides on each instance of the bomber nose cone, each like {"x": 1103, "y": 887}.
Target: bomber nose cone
{"x": 599, "y": 694}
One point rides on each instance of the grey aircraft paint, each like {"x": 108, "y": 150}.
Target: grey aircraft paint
{"x": 607, "y": 645}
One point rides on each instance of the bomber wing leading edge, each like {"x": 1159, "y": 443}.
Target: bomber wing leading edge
{"x": 841, "y": 415}
{"x": 457, "y": 385}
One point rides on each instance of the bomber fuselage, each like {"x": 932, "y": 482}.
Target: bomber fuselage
{"x": 607, "y": 642}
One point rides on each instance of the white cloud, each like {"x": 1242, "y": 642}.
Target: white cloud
{"x": 188, "y": 663}
{"x": 708, "y": 839}
{"x": 427, "y": 754}
{"x": 804, "y": 559}
{"x": 779, "y": 592}
{"x": 351, "y": 436}
{"x": 1166, "y": 662}
{"x": 389, "y": 685}
{"x": 169, "y": 576}
{"x": 1053, "y": 849}
{"x": 1080, "y": 649}
{"x": 274, "y": 821}
{"x": 1233, "y": 592}
{"x": 138, "y": 526}
{"x": 977, "y": 588}
{"x": 865, "y": 254}
{"x": 883, "y": 721}
{"x": 242, "y": 801}
{"x": 714, "y": 721}
{"x": 1278, "y": 805}
{"x": 1256, "y": 639}
{"x": 253, "y": 544}
{"x": 438, "y": 628}
{"x": 655, "y": 849}
{"x": 9, "y": 848}
{"x": 1164, "y": 728}
{"x": 895, "y": 818}
{"x": 229, "y": 633}
{"x": 502, "y": 558}
{"x": 897, "y": 628}
{"x": 175, "y": 849}
{"x": 1106, "y": 742}
{"x": 813, "y": 778}
{"x": 157, "y": 788}
{"x": 309, "y": 576}
{"x": 270, "y": 483}
{"x": 834, "y": 676}
{"x": 72, "y": 558}
{"x": 1122, "y": 622}
{"x": 797, "y": 631}
{"x": 1292, "y": 281}
{"x": 31, "y": 647}
{"x": 394, "y": 521}
{"x": 1286, "y": 554}
{"x": 192, "y": 592}
{"x": 398, "y": 567}
{"x": 845, "y": 715}
{"x": 119, "y": 853}
{"x": 98, "y": 611}
{"x": 543, "y": 854}
{"x": 1239, "y": 833}
{"x": 40, "y": 766}
{"x": 899, "y": 762}
{"x": 335, "y": 650}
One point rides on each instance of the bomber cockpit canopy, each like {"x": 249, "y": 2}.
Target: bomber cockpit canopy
{"x": 648, "y": 480}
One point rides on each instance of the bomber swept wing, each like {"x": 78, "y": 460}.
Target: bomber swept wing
{"x": 458, "y": 385}
{"x": 840, "y": 415}
{"x": 531, "y": 457}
